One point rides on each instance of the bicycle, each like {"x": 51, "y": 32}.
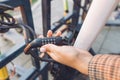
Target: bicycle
{"x": 69, "y": 40}
{"x": 72, "y": 29}
{"x": 59, "y": 23}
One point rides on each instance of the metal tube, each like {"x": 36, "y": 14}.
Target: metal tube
{"x": 62, "y": 21}
{"x": 94, "y": 22}
{"x": 46, "y": 15}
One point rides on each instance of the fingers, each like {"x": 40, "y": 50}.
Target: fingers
{"x": 47, "y": 48}
{"x": 58, "y": 33}
{"x": 49, "y": 33}
{"x": 51, "y": 50}
{"x": 43, "y": 49}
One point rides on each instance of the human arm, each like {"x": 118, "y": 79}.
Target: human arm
{"x": 70, "y": 56}
{"x": 82, "y": 60}
{"x": 94, "y": 22}
{"x": 104, "y": 67}
{"x": 79, "y": 60}
{"x": 98, "y": 67}
{"x": 67, "y": 55}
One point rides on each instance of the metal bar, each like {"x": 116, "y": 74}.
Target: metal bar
{"x": 27, "y": 13}
{"x": 27, "y": 18}
{"x": 62, "y": 21}
{"x": 12, "y": 54}
{"x": 46, "y": 15}
{"x": 32, "y": 73}
{"x": 13, "y": 3}
{"x": 46, "y": 18}
{"x": 113, "y": 23}
{"x": 44, "y": 73}
{"x": 26, "y": 9}
{"x": 76, "y": 9}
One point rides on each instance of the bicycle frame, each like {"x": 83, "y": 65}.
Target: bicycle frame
{"x": 74, "y": 17}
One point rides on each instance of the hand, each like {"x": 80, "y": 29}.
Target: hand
{"x": 68, "y": 55}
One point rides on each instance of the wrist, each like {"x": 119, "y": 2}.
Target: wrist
{"x": 82, "y": 62}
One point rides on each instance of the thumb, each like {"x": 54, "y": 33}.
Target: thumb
{"x": 49, "y": 48}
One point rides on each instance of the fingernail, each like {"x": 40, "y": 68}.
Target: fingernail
{"x": 42, "y": 50}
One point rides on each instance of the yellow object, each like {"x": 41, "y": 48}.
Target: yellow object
{"x": 66, "y": 9}
{"x": 65, "y": 5}
{"x": 65, "y": 2}
{"x": 3, "y": 73}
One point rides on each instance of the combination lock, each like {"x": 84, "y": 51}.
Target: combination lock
{"x": 42, "y": 41}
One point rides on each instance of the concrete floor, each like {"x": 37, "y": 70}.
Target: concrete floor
{"x": 107, "y": 41}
